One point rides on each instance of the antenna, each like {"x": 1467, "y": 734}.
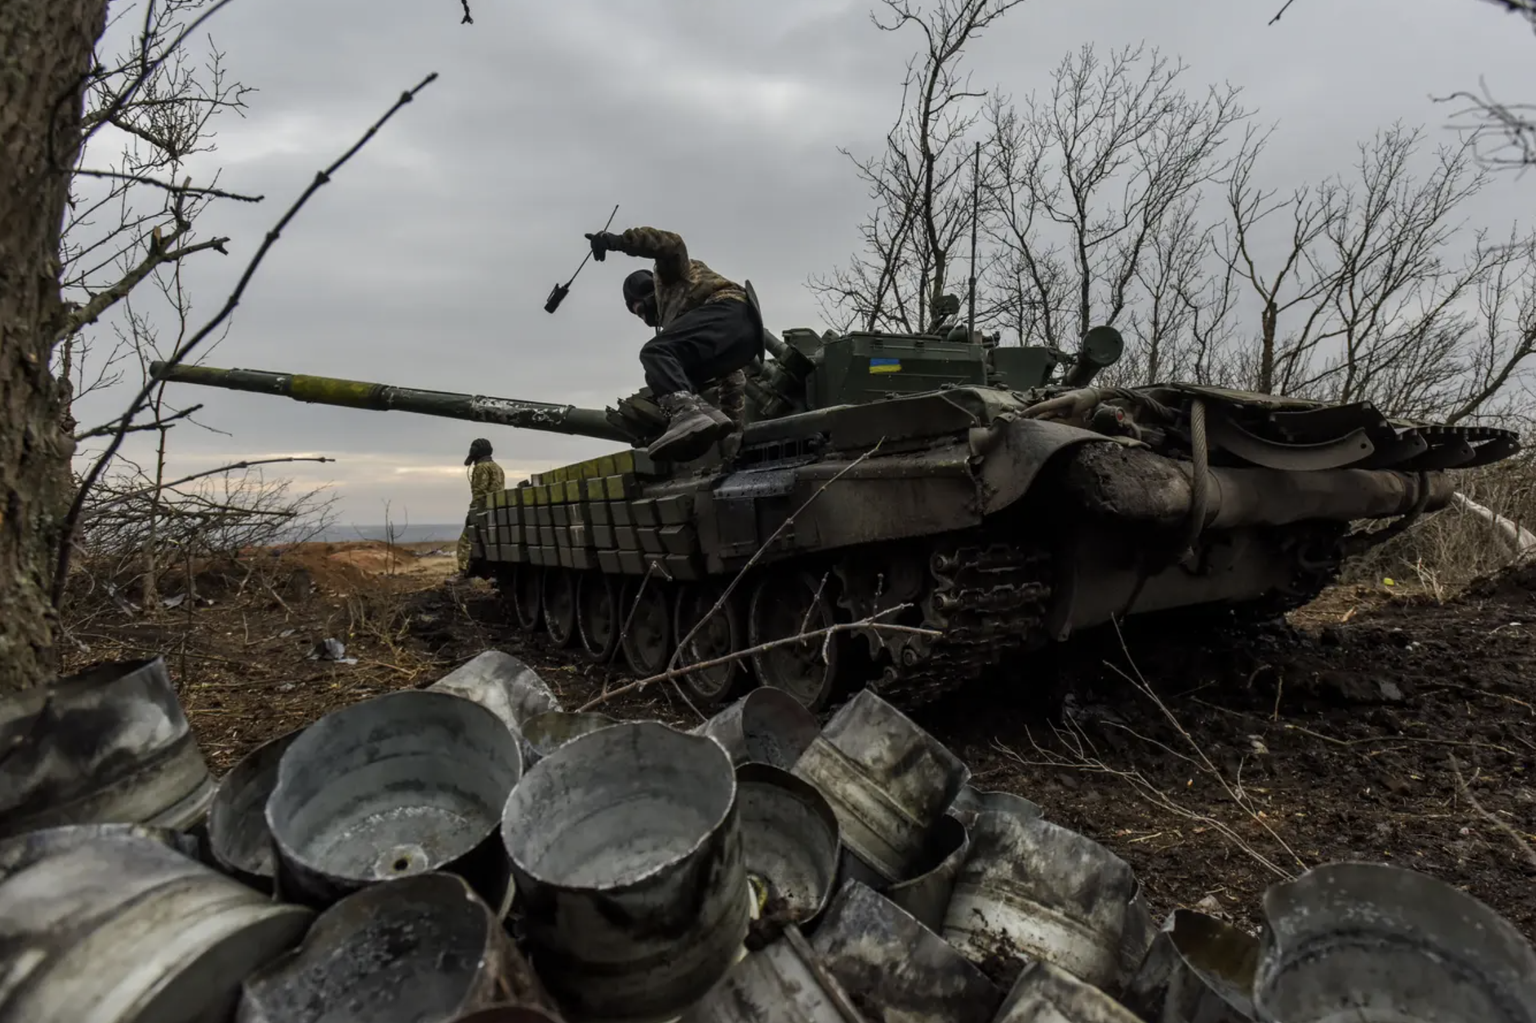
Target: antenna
{"x": 970, "y": 326}
{"x": 559, "y": 291}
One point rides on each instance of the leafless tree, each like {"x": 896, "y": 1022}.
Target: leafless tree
{"x": 157, "y": 106}
{"x": 920, "y": 183}
{"x": 134, "y": 225}
{"x": 220, "y": 512}
{"x": 140, "y": 335}
{"x": 1371, "y": 290}
{"x": 1096, "y": 214}
{"x": 1122, "y": 197}
{"x": 45, "y": 125}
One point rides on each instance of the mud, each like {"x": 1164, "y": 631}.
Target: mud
{"x": 1217, "y": 759}
{"x": 1403, "y": 734}
{"x": 1338, "y": 735}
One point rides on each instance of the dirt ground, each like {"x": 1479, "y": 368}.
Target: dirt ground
{"x": 1376, "y": 725}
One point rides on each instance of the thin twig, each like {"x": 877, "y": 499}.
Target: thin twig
{"x": 766, "y": 546}
{"x": 1410, "y": 739}
{"x": 1140, "y": 683}
{"x": 737, "y": 655}
{"x": 231, "y": 467}
{"x": 71, "y": 520}
{"x": 634, "y": 605}
{"x": 84, "y": 315}
{"x": 1082, "y": 761}
{"x": 167, "y": 186}
{"x": 147, "y": 68}
{"x": 1514, "y": 836}
{"x": 159, "y": 424}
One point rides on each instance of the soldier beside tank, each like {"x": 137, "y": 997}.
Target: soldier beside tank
{"x": 706, "y": 331}
{"x": 485, "y": 479}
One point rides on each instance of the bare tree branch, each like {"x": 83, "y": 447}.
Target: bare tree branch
{"x": 872, "y": 623}
{"x": 766, "y": 546}
{"x": 159, "y": 253}
{"x": 166, "y": 186}
{"x": 158, "y": 424}
{"x": 1369, "y": 300}
{"x": 162, "y": 106}
{"x": 222, "y": 470}
{"x": 1511, "y": 128}
{"x": 323, "y": 177}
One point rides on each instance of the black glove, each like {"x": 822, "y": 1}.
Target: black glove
{"x": 603, "y": 243}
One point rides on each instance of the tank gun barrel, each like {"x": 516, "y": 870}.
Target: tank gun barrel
{"x": 478, "y": 408}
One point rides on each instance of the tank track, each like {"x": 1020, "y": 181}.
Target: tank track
{"x": 990, "y": 600}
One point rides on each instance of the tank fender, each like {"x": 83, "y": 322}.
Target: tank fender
{"x": 1012, "y": 452}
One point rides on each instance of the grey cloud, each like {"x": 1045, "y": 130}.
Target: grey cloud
{"x": 427, "y": 260}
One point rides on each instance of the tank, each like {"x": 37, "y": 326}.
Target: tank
{"x": 948, "y": 501}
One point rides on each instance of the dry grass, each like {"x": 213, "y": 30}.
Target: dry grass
{"x": 240, "y": 641}
{"x": 1452, "y": 547}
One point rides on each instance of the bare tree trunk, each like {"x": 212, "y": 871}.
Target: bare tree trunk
{"x": 45, "y": 54}
{"x": 151, "y": 587}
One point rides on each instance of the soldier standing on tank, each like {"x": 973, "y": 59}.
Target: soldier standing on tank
{"x": 485, "y": 478}
{"x": 705, "y": 330}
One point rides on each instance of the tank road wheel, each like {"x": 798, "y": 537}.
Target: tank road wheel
{"x": 560, "y": 605}
{"x": 720, "y": 636}
{"x": 785, "y": 604}
{"x": 645, "y": 621}
{"x": 597, "y": 615}
{"x": 527, "y": 594}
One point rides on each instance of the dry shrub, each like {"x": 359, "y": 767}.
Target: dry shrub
{"x": 1450, "y": 548}
{"x": 141, "y": 545}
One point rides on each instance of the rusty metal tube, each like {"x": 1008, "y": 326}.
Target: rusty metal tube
{"x": 238, "y": 836}
{"x": 423, "y": 947}
{"x": 108, "y": 745}
{"x": 399, "y": 784}
{"x": 926, "y": 894}
{"x": 1199, "y": 967}
{"x": 767, "y": 726}
{"x": 626, "y": 850}
{"x": 1031, "y": 890}
{"x": 790, "y": 841}
{"x": 1046, "y": 992}
{"x": 544, "y": 733}
{"x": 888, "y": 780}
{"x": 503, "y": 684}
{"x": 118, "y": 926}
{"x": 882, "y": 956}
{"x": 1383, "y": 944}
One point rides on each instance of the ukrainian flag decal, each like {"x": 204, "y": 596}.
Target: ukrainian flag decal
{"x": 885, "y": 365}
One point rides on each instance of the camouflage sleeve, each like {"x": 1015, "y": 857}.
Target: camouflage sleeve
{"x": 666, "y": 248}
{"x": 480, "y": 482}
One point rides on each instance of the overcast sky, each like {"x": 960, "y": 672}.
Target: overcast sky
{"x": 427, "y": 261}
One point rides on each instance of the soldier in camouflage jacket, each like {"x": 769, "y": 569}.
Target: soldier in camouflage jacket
{"x": 485, "y": 479}
{"x": 706, "y": 331}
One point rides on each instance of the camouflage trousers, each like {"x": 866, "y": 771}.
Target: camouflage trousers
{"x": 733, "y": 396}
{"x": 466, "y": 545}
